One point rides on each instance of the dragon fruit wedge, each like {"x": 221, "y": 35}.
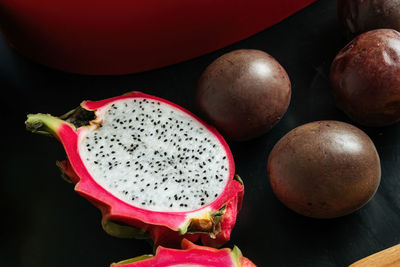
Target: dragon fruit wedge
{"x": 190, "y": 255}
{"x": 153, "y": 169}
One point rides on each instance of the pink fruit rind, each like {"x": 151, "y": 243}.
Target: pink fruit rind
{"x": 113, "y": 209}
{"x": 227, "y": 224}
{"x": 190, "y": 254}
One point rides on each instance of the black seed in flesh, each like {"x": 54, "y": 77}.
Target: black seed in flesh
{"x": 146, "y": 159}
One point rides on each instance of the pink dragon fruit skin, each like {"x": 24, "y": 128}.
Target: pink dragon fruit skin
{"x": 190, "y": 255}
{"x": 212, "y": 222}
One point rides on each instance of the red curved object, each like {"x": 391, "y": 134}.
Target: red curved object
{"x": 128, "y": 36}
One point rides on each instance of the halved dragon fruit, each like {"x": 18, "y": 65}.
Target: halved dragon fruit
{"x": 190, "y": 255}
{"x": 153, "y": 169}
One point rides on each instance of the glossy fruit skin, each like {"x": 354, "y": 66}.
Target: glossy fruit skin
{"x": 127, "y": 36}
{"x": 324, "y": 169}
{"x": 243, "y": 93}
{"x": 358, "y": 16}
{"x": 365, "y": 77}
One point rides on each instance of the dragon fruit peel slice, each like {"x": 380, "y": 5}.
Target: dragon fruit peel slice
{"x": 190, "y": 255}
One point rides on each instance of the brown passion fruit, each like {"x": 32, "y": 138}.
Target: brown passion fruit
{"x": 324, "y": 169}
{"x": 243, "y": 93}
{"x": 358, "y": 16}
{"x": 365, "y": 77}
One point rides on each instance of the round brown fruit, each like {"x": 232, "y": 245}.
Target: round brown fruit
{"x": 358, "y": 16}
{"x": 324, "y": 169}
{"x": 243, "y": 93}
{"x": 365, "y": 77}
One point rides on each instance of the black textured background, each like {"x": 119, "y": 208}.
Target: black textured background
{"x": 45, "y": 223}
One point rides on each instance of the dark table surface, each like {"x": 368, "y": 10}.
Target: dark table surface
{"x": 45, "y": 223}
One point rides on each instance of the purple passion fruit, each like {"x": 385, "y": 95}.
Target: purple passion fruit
{"x": 243, "y": 93}
{"x": 358, "y": 16}
{"x": 324, "y": 169}
{"x": 365, "y": 77}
